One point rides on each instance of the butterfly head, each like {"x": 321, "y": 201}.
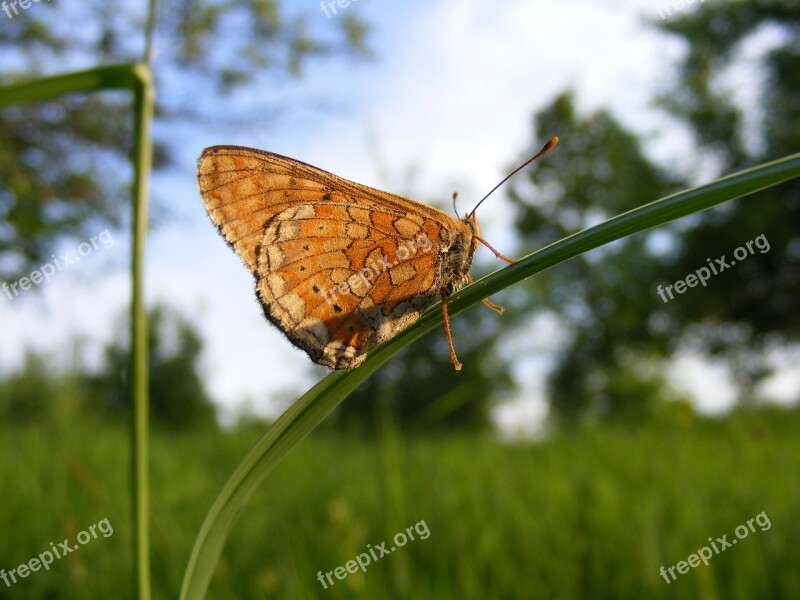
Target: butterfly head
{"x": 471, "y": 221}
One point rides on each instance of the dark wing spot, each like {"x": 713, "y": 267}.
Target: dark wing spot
{"x": 326, "y": 196}
{"x": 302, "y": 268}
{"x": 351, "y": 328}
{"x": 306, "y": 248}
{"x": 316, "y": 289}
{"x": 337, "y": 308}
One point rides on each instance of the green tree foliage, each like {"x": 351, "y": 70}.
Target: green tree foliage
{"x": 63, "y": 164}
{"x": 25, "y": 396}
{"x": 619, "y": 331}
{"x": 755, "y": 305}
{"x": 599, "y": 299}
{"x": 178, "y": 399}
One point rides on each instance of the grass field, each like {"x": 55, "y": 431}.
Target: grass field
{"x": 593, "y": 514}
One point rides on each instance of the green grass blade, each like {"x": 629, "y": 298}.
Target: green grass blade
{"x": 144, "y": 106}
{"x": 144, "y": 109}
{"x": 113, "y": 77}
{"x": 305, "y": 414}
{"x": 634, "y": 221}
{"x": 292, "y": 426}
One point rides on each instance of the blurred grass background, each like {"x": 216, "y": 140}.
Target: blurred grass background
{"x": 590, "y": 514}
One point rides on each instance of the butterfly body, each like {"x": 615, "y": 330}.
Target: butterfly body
{"x": 340, "y": 267}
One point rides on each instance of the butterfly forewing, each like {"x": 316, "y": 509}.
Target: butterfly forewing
{"x": 243, "y": 188}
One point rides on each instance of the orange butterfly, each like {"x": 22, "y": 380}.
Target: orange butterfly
{"x": 340, "y": 267}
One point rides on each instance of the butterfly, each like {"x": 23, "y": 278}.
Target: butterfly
{"x": 339, "y": 267}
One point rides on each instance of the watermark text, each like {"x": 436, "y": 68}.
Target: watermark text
{"x": 48, "y": 557}
{"x": 374, "y": 554}
{"x": 665, "y": 10}
{"x": 720, "y": 545}
{"x": 703, "y": 274}
{"x": 23, "y": 4}
{"x": 329, "y": 8}
{"x": 59, "y": 263}
{"x": 359, "y": 283}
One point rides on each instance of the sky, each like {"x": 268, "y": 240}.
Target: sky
{"x": 447, "y": 104}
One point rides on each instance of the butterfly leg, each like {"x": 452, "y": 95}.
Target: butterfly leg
{"x": 449, "y": 335}
{"x": 510, "y": 261}
{"x": 498, "y": 309}
{"x": 486, "y": 301}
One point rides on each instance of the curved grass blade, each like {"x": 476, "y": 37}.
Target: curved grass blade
{"x": 305, "y": 414}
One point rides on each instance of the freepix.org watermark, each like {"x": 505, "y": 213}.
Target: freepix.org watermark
{"x": 703, "y": 274}
{"x": 374, "y": 554}
{"x": 59, "y": 263}
{"x": 665, "y": 10}
{"x": 48, "y": 557}
{"x": 326, "y": 6}
{"x": 720, "y": 545}
{"x": 360, "y": 282}
{"x": 23, "y": 4}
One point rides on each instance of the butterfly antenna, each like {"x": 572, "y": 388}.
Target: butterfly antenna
{"x": 547, "y": 147}
{"x": 455, "y": 197}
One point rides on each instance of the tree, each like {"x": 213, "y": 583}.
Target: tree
{"x": 620, "y": 330}
{"x": 63, "y": 167}
{"x": 752, "y": 309}
{"x": 178, "y": 399}
{"x": 26, "y": 396}
{"x": 606, "y": 364}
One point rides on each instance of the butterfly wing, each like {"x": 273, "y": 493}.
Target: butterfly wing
{"x": 244, "y": 188}
{"x": 340, "y": 267}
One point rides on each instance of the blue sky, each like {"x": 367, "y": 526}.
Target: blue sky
{"x": 447, "y": 104}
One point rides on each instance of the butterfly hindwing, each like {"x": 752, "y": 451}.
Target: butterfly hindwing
{"x": 339, "y": 279}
